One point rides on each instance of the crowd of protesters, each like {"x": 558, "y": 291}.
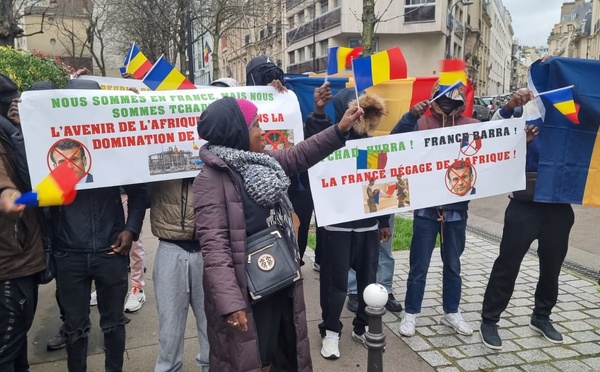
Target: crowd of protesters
{"x": 202, "y": 225}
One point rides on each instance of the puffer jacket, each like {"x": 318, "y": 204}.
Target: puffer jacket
{"x": 221, "y": 227}
{"x": 172, "y": 210}
{"x": 21, "y": 249}
{"x": 92, "y": 222}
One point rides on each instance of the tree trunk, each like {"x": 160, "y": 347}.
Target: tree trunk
{"x": 9, "y": 29}
{"x": 368, "y": 21}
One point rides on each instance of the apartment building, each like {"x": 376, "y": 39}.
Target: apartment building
{"x": 257, "y": 31}
{"x": 477, "y": 44}
{"x": 594, "y": 41}
{"x": 501, "y": 49}
{"x": 427, "y": 32}
{"x": 569, "y": 37}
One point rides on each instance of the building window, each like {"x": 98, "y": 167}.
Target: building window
{"x": 310, "y": 13}
{"x": 301, "y": 18}
{"x": 262, "y": 34}
{"x": 324, "y": 47}
{"x": 292, "y": 57}
{"x": 291, "y": 22}
{"x": 311, "y": 52}
{"x": 324, "y": 6}
{"x": 301, "y": 56}
{"x": 336, "y": 4}
{"x": 247, "y": 39}
{"x": 419, "y": 11}
{"x": 353, "y": 43}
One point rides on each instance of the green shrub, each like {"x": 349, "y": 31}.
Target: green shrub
{"x": 25, "y": 68}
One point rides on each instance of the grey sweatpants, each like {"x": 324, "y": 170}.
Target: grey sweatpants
{"x": 178, "y": 284}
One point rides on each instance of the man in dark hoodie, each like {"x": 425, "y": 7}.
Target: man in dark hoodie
{"x": 347, "y": 245}
{"x": 91, "y": 242}
{"x": 449, "y": 221}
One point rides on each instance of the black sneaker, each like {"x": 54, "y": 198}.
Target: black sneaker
{"x": 489, "y": 335}
{"x": 393, "y": 305}
{"x": 352, "y": 304}
{"x": 545, "y": 327}
{"x": 57, "y": 342}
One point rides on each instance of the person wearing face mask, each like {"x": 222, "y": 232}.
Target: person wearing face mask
{"x": 240, "y": 190}
{"x": 449, "y": 221}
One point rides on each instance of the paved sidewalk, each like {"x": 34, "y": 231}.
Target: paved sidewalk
{"x": 577, "y": 316}
{"x": 434, "y": 347}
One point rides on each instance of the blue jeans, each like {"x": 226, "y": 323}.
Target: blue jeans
{"x": 385, "y": 268}
{"x": 75, "y": 273}
{"x": 425, "y": 232}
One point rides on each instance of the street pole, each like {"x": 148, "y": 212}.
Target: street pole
{"x": 190, "y": 37}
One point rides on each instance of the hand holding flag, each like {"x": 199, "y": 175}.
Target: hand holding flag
{"x": 58, "y": 188}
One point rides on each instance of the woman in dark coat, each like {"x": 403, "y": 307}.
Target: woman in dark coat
{"x": 240, "y": 186}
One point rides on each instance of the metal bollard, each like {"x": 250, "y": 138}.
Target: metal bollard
{"x": 375, "y": 296}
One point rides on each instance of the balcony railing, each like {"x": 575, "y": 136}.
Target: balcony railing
{"x": 316, "y": 26}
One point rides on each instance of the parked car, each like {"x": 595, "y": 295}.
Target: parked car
{"x": 492, "y": 103}
{"x": 481, "y": 111}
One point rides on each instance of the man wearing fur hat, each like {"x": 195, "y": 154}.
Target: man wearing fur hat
{"x": 449, "y": 221}
{"x": 347, "y": 245}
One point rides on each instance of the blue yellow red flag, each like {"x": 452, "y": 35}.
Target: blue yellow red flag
{"x": 339, "y": 58}
{"x": 452, "y": 70}
{"x": 57, "y": 188}
{"x": 566, "y": 155}
{"x": 136, "y": 62}
{"x": 378, "y": 68}
{"x": 163, "y": 76}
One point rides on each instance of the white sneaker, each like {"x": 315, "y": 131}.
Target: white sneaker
{"x": 93, "y": 299}
{"x": 330, "y": 348}
{"x": 135, "y": 301}
{"x": 316, "y": 266}
{"x": 456, "y": 321}
{"x": 407, "y": 325}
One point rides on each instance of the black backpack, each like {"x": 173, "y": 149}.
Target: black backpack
{"x": 261, "y": 71}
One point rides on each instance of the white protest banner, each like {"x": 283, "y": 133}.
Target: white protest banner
{"x": 136, "y": 138}
{"x": 109, "y": 83}
{"x": 383, "y": 175}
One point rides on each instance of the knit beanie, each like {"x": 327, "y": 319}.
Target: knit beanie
{"x": 8, "y": 89}
{"x": 248, "y": 109}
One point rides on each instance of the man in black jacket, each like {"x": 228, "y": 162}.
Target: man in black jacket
{"x": 347, "y": 245}
{"x": 91, "y": 241}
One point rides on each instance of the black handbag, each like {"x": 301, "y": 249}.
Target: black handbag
{"x": 270, "y": 263}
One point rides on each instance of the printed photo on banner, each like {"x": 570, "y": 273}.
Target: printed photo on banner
{"x": 76, "y": 156}
{"x": 396, "y": 173}
{"x": 118, "y": 137}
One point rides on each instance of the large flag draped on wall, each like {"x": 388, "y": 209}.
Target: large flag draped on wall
{"x": 163, "y": 76}
{"x": 569, "y": 158}
{"x": 136, "y": 62}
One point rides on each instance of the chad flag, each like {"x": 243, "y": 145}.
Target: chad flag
{"x": 163, "y": 76}
{"x": 378, "y": 68}
{"x": 568, "y": 169}
{"x": 371, "y": 160}
{"x": 339, "y": 58}
{"x": 453, "y": 70}
{"x": 136, "y": 62}
{"x": 562, "y": 99}
{"x": 57, "y": 188}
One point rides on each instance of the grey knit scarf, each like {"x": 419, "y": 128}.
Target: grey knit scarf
{"x": 264, "y": 181}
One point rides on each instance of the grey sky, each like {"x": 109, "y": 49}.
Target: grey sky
{"x": 533, "y": 19}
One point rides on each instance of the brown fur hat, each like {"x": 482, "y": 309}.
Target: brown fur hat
{"x": 375, "y": 110}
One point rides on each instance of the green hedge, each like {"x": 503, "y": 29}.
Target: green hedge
{"x": 25, "y": 68}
